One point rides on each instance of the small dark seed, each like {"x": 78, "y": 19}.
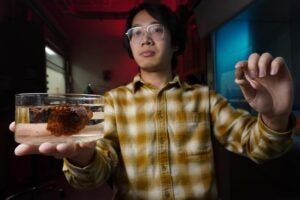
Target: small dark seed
{"x": 239, "y": 74}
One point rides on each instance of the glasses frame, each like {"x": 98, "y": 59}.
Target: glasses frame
{"x": 145, "y": 29}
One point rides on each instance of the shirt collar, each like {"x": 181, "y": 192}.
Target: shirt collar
{"x": 138, "y": 82}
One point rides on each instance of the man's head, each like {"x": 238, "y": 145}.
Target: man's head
{"x": 171, "y": 29}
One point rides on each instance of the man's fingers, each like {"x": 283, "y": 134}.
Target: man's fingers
{"x": 276, "y": 64}
{"x": 65, "y": 150}
{"x": 12, "y": 127}
{"x": 241, "y": 64}
{"x": 47, "y": 148}
{"x": 257, "y": 67}
{"x": 25, "y": 149}
{"x": 264, "y": 64}
{"x": 91, "y": 144}
{"x": 56, "y": 150}
{"x": 253, "y": 65}
{"x": 240, "y": 70}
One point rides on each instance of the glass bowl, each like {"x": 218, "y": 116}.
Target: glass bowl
{"x": 58, "y": 118}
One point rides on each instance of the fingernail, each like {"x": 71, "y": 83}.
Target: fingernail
{"x": 273, "y": 71}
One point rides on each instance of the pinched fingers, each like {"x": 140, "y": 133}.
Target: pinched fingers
{"x": 264, "y": 64}
{"x": 239, "y": 70}
{"x": 248, "y": 69}
{"x": 241, "y": 73}
{"x": 259, "y": 66}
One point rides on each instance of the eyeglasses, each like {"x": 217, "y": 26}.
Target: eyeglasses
{"x": 136, "y": 34}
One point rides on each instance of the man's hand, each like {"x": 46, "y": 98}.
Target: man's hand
{"x": 268, "y": 87}
{"x": 79, "y": 154}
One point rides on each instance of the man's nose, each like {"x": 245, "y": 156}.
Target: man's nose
{"x": 146, "y": 39}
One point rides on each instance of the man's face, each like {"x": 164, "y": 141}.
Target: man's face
{"x": 152, "y": 52}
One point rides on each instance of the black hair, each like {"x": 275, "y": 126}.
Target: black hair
{"x": 168, "y": 18}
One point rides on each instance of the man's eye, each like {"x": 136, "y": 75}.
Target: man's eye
{"x": 137, "y": 32}
{"x": 156, "y": 29}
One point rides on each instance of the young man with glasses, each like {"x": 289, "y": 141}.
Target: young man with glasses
{"x": 157, "y": 142}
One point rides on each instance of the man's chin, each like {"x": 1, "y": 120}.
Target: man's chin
{"x": 148, "y": 68}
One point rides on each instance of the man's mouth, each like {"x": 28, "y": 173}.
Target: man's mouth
{"x": 147, "y": 53}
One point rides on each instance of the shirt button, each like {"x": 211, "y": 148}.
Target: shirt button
{"x": 160, "y": 115}
{"x": 167, "y": 194}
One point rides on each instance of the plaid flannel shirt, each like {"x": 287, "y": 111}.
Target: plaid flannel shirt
{"x": 158, "y": 145}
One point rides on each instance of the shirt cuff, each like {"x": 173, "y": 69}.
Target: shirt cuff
{"x": 75, "y": 169}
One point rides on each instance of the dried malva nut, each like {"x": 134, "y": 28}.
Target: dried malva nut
{"x": 239, "y": 73}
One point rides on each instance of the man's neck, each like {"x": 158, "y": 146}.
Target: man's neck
{"x": 157, "y": 79}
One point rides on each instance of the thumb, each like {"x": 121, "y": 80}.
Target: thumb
{"x": 248, "y": 86}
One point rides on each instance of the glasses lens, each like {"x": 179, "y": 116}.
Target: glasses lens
{"x": 134, "y": 34}
{"x": 156, "y": 31}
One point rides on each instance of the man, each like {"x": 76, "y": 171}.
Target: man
{"x": 157, "y": 142}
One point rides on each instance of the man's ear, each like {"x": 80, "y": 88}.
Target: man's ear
{"x": 175, "y": 48}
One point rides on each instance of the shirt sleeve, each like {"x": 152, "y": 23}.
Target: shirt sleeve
{"x": 247, "y": 135}
{"x": 104, "y": 161}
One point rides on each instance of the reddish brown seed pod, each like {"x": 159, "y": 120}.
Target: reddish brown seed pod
{"x": 68, "y": 119}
